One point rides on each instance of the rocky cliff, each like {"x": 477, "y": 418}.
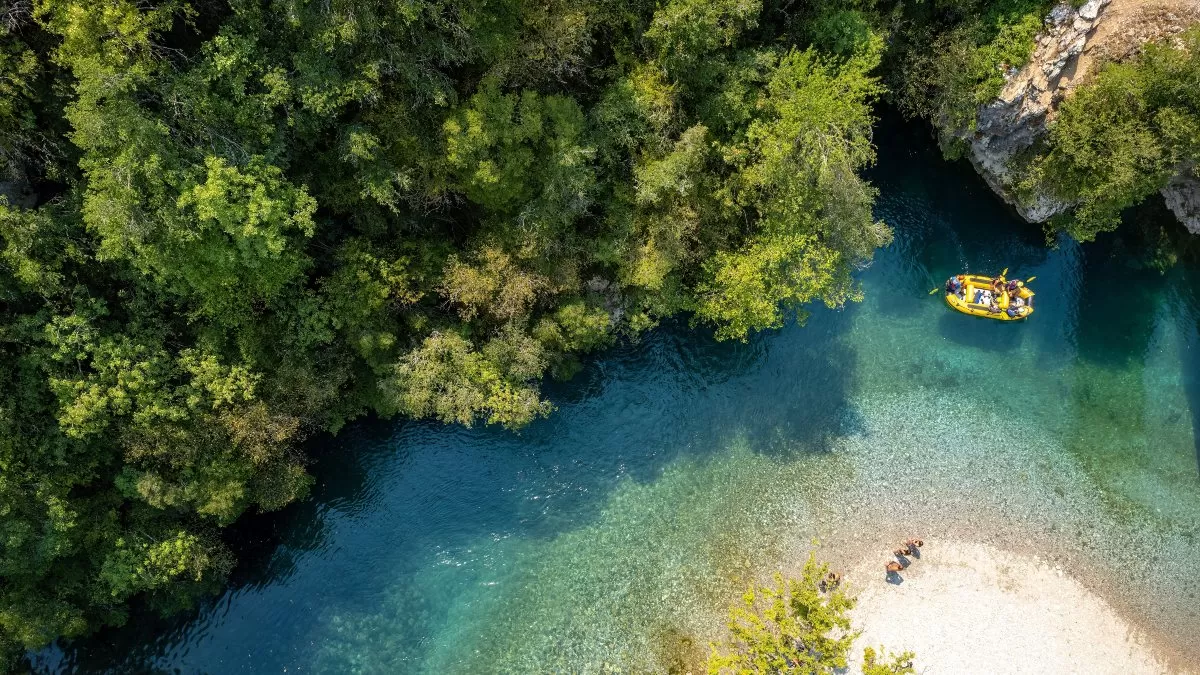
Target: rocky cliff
{"x": 1071, "y": 46}
{"x": 17, "y": 193}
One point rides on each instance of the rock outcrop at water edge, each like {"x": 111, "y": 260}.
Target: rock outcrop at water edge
{"x": 1182, "y": 195}
{"x": 1071, "y": 46}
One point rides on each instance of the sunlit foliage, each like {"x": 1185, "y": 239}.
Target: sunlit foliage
{"x": 233, "y": 224}
{"x": 953, "y": 56}
{"x": 797, "y": 626}
{"x": 1122, "y": 137}
{"x": 1116, "y": 139}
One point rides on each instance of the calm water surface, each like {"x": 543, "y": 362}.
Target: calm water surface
{"x": 616, "y": 532}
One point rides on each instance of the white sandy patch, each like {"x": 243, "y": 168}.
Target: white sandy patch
{"x": 971, "y": 608}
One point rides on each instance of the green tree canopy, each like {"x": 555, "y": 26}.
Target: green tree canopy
{"x": 797, "y": 626}
{"x": 1123, "y": 136}
{"x": 243, "y": 222}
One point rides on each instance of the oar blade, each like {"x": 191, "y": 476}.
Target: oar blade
{"x": 1031, "y": 278}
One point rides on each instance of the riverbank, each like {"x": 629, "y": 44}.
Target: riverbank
{"x": 1028, "y": 506}
{"x": 965, "y": 607}
{"x": 616, "y": 533}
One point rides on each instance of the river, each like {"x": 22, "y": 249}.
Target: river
{"x": 676, "y": 469}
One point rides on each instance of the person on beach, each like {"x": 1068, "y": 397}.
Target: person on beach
{"x": 831, "y": 581}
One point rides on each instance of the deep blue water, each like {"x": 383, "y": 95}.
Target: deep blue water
{"x": 674, "y": 468}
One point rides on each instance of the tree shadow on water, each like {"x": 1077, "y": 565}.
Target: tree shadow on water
{"x": 793, "y": 397}
{"x": 802, "y": 415}
{"x": 1190, "y": 357}
{"x": 1117, "y": 303}
{"x": 269, "y": 547}
{"x": 688, "y": 355}
{"x": 1116, "y": 328}
{"x": 980, "y": 333}
{"x": 395, "y": 500}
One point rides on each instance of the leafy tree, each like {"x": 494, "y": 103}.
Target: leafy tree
{"x": 19, "y": 137}
{"x": 448, "y": 379}
{"x": 796, "y": 626}
{"x": 1123, "y": 136}
{"x": 254, "y": 220}
{"x": 494, "y": 284}
{"x": 797, "y": 169}
{"x": 892, "y": 664}
{"x": 955, "y": 56}
{"x": 686, "y": 31}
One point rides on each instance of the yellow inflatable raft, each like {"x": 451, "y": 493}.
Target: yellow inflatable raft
{"x": 965, "y": 300}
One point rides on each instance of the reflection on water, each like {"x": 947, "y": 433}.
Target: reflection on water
{"x": 677, "y": 468}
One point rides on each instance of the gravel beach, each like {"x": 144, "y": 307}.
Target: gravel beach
{"x": 972, "y": 608}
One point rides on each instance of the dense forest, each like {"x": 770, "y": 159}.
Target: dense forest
{"x": 231, "y": 224}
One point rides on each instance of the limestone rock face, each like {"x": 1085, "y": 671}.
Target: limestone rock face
{"x": 18, "y": 193}
{"x": 1182, "y": 195}
{"x": 1072, "y": 44}
{"x": 1013, "y": 121}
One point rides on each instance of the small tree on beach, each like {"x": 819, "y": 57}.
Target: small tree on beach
{"x": 892, "y": 664}
{"x": 796, "y": 626}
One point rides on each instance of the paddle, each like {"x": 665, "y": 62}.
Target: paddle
{"x": 933, "y": 290}
{"x": 1004, "y": 272}
{"x": 1031, "y": 278}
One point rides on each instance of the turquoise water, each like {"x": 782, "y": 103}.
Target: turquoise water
{"x": 614, "y": 534}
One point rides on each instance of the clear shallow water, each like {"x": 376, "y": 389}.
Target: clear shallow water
{"x": 616, "y": 532}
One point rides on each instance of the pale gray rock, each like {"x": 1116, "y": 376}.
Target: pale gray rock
{"x": 1060, "y": 15}
{"x": 18, "y": 193}
{"x": 1182, "y": 196}
{"x": 1063, "y": 53}
{"x": 1091, "y": 9}
{"x": 1012, "y": 122}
